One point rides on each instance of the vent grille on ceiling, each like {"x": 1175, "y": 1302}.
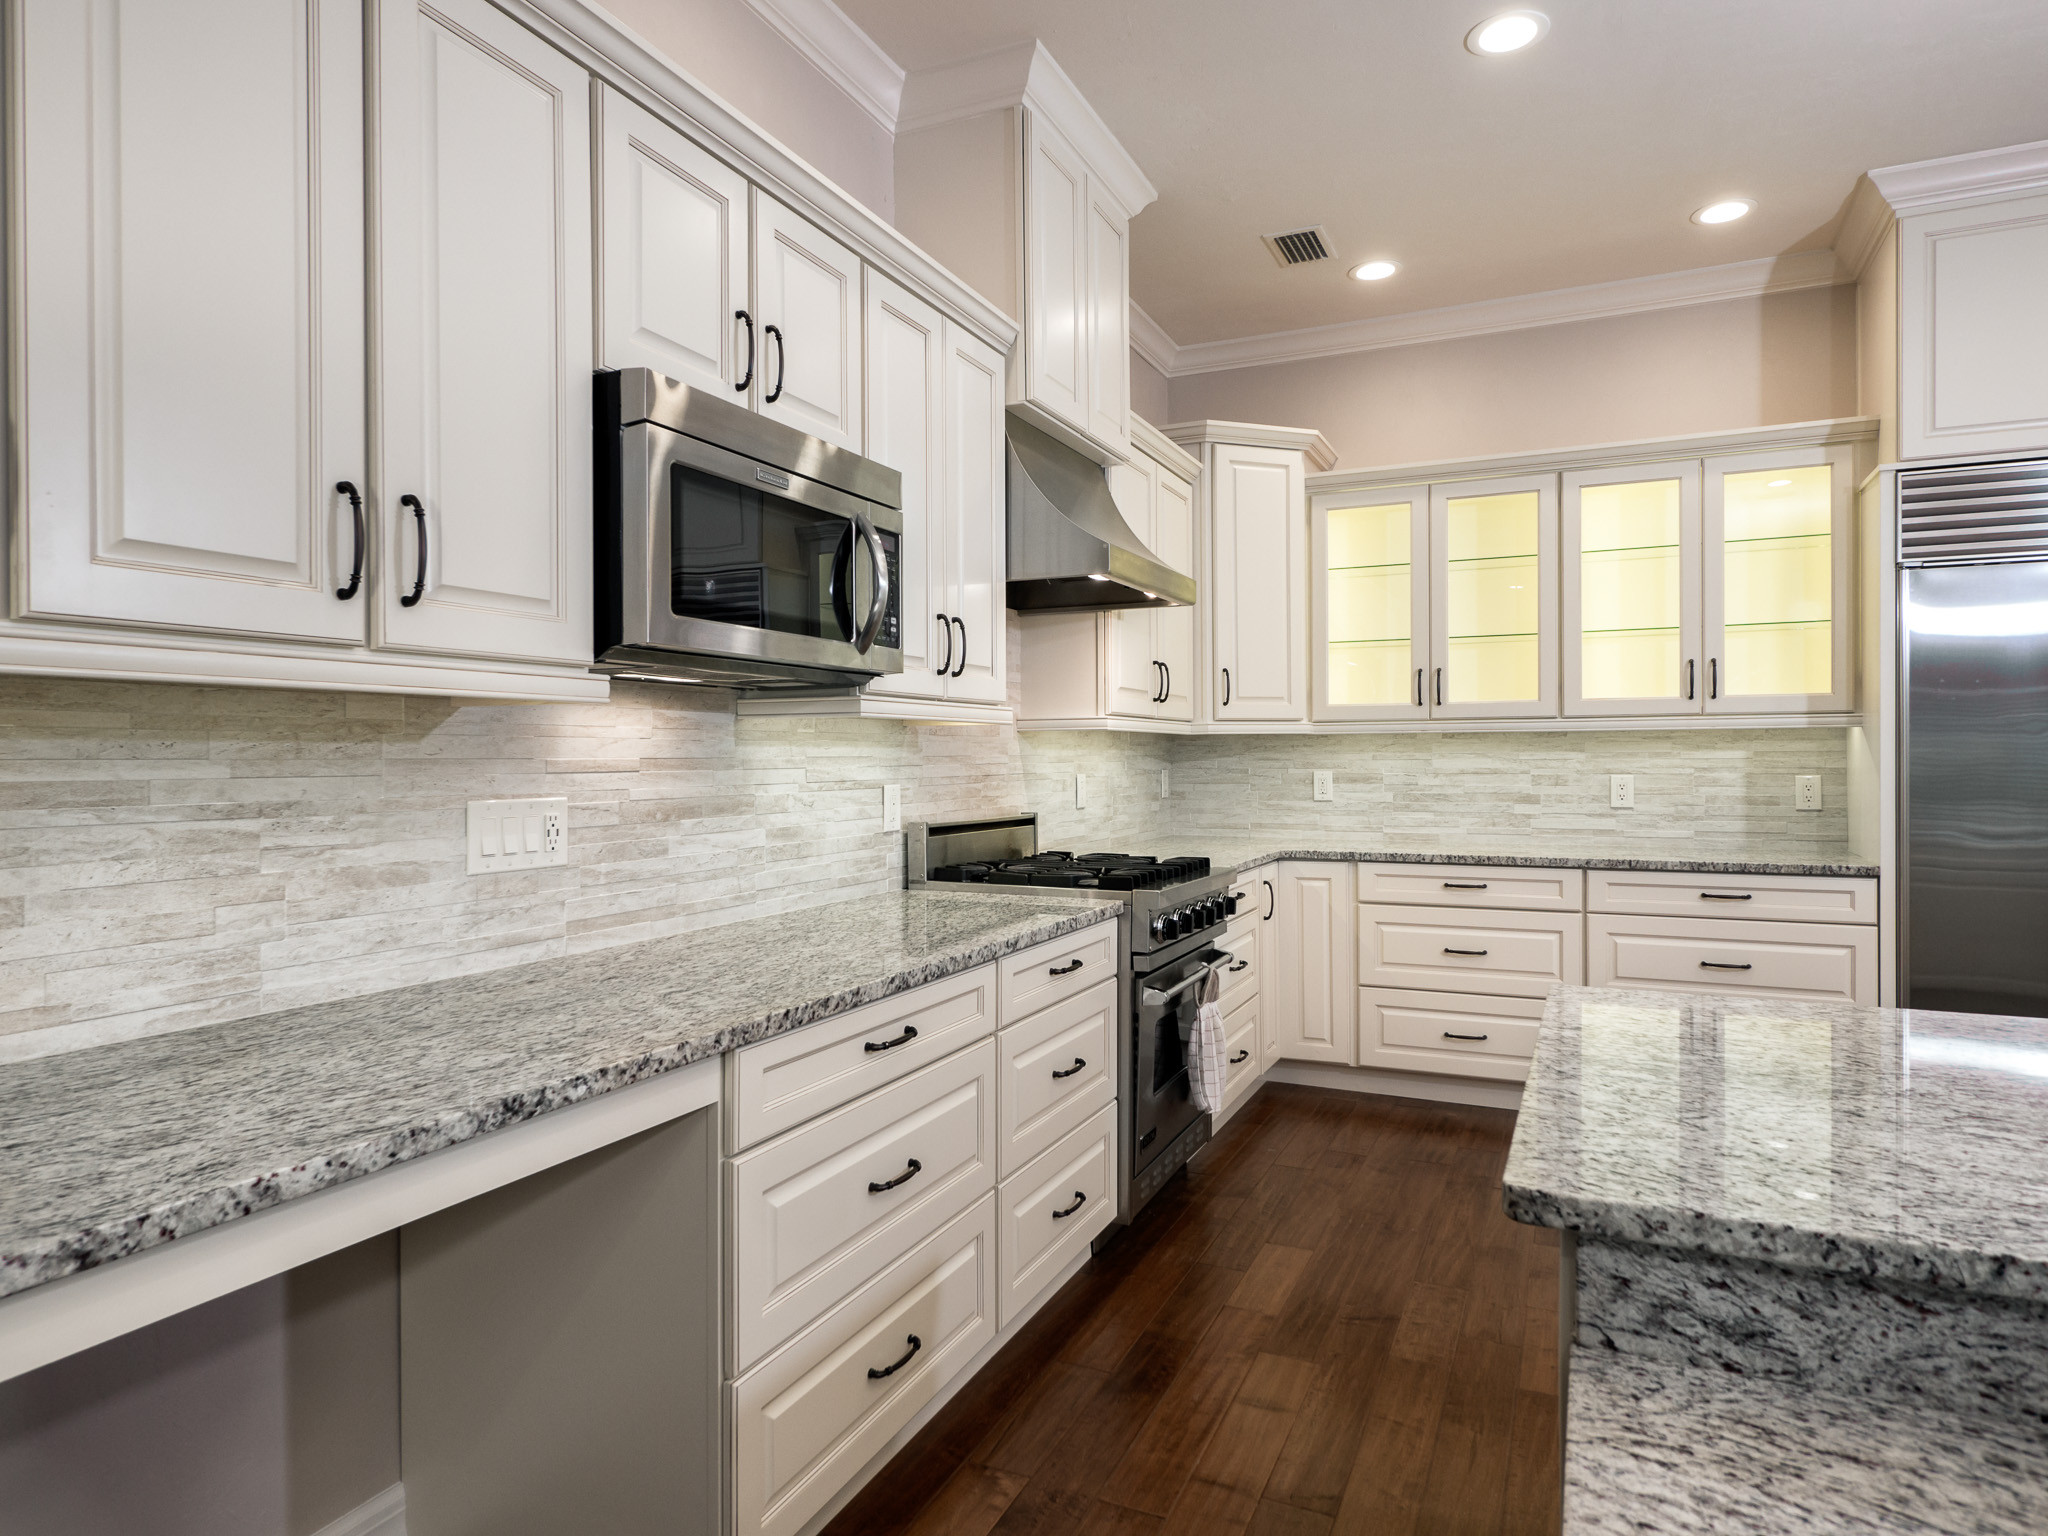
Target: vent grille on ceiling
{"x": 1973, "y": 515}
{"x": 1298, "y": 247}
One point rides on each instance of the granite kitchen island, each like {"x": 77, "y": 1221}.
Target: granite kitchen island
{"x": 1807, "y": 1253}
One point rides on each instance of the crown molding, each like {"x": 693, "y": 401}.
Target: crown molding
{"x": 1150, "y": 341}
{"x": 1558, "y": 306}
{"x": 1865, "y": 223}
{"x": 1161, "y": 449}
{"x": 843, "y": 54}
{"x": 1025, "y": 75}
{"x": 1983, "y": 173}
{"x": 1251, "y": 434}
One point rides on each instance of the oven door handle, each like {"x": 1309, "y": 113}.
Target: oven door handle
{"x": 1152, "y": 997}
{"x": 863, "y": 641}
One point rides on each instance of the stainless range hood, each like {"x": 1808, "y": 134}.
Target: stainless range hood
{"x": 1069, "y": 546}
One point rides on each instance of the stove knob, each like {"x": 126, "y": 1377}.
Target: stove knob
{"x": 1162, "y": 926}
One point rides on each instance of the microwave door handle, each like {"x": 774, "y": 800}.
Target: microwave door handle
{"x": 842, "y": 581}
{"x": 876, "y": 613}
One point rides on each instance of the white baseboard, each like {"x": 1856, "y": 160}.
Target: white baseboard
{"x": 1483, "y": 1093}
{"x": 382, "y": 1516}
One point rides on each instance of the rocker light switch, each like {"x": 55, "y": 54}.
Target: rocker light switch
{"x": 518, "y": 834}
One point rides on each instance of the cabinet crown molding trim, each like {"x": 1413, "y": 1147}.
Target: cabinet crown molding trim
{"x": 1251, "y": 434}
{"x": 1983, "y": 173}
{"x": 1696, "y": 445}
{"x": 1866, "y": 221}
{"x": 1025, "y": 75}
{"x": 1150, "y": 341}
{"x": 841, "y": 51}
{"x": 1163, "y": 450}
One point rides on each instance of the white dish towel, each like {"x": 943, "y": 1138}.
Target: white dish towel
{"x": 1205, "y": 1048}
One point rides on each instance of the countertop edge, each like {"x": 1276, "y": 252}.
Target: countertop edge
{"x": 1812, "y": 869}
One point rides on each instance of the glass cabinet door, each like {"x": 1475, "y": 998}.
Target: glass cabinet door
{"x": 1631, "y": 590}
{"x": 1371, "y": 603}
{"x": 1778, "y": 554}
{"x": 1494, "y": 598}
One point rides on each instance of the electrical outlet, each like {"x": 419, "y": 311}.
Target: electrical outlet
{"x": 518, "y": 834}
{"x": 1806, "y": 792}
{"x": 892, "y": 807}
{"x": 1165, "y": 787}
{"x": 1621, "y": 791}
{"x": 1080, "y": 791}
{"x": 1326, "y": 784}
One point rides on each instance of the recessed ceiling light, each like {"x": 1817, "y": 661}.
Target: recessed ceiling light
{"x": 1726, "y": 212}
{"x": 1373, "y": 271}
{"x": 1507, "y": 32}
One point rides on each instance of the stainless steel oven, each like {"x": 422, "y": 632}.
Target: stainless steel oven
{"x": 735, "y": 551}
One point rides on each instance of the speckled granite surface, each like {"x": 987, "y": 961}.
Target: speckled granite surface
{"x": 1233, "y": 856}
{"x": 109, "y": 1151}
{"x": 1905, "y": 1147}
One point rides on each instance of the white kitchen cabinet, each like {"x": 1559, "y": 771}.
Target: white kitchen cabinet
{"x": 191, "y": 344}
{"x": 974, "y": 526}
{"x": 1818, "y": 961}
{"x": 483, "y": 483}
{"x": 1631, "y": 585}
{"x": 1056, "y": 205}
{"x": 807, "y": 299}
{"x": 1258, "y": 584}
{"x": 676, "y": 230}
{"x": 906, "y": 430}
{"x": 1370, "y": 555}
{"x": 1493, "y": 598}
{"x": 1311, "y": 988}
{"x": 1106, "y": 242}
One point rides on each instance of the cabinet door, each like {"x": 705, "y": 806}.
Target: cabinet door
{"x": 1056, "y": 220}
{"x": 1313, "y": 976}
{"x": 807, "y": 300}
{"x": 673, "y": 228}
{"x": 484, "y": 341}
{"x": 906, "y": 352}
{"x": 975, "y": 503}
{"x": 1259, "y": 570}
{"x": 1973, "y": 328}
{"x": 1109, "y": 320}
{"x": 191, "y": 308}
{"x": 1173, "y": 540}
{"x": 1493, "y": 598}
{"x": 1779, "y": 550}
{"x": 1371, "y": 562}
{"x": 1135, "y": 680}
{"x": 1630, "y": 584}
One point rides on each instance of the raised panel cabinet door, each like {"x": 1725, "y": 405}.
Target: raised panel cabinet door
{"x": 1369, "y": 552}
{"x": 484, "y": 336}
{"x": 1109, "y": 320}
{"x": 906, "y": 430}
{"x": 673, "y": 229}
{"x": 1056, "y": 217}
{"x": 1135, "y": 680}
{"x": 1629, "y": 584}
{"x": 1493, "y": 598}
{"x": 1260, "y": 566}
{"x": 190, "y": 219}
{"x": 807, "y": 293}
{"x": 976, "y": 507}
{"x": 1173, "y": 541}
{"x": 1316, "y": 967}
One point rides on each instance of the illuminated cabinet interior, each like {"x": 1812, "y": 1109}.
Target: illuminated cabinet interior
{"x": 1371, "y": 632}
{"x": 1494, "y": 591}
{"x": 1631, "y": 582}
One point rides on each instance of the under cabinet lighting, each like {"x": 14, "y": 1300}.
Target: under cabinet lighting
{"x": 1093, "y": 577}
{"x": 1507, "y": 32}
{"x": 1373, "y": 271}
{"x": 1724, "y": 212}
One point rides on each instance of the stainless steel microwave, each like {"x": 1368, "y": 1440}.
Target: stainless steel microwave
{"x": 738, "y": 552}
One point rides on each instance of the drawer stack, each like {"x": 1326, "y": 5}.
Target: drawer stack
{"x": 903, "y": 1182}
{"x": 1246, "y": 1043}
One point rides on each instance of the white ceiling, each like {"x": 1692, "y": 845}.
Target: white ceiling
{"x": 1578, "y": 161}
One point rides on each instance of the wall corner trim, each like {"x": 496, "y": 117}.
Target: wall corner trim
{"x": 1983, "y": 173}
{"x": 842, "y": 52}
{"x": 383, "y": 1515}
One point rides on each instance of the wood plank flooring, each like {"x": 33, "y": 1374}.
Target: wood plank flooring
{"x": 1327, "y": 1326}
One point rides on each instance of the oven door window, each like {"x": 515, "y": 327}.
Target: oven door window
{"x": 747, "y": 557}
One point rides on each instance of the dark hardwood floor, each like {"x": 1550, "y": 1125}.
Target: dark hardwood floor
{"x": 1327, "y": 1326}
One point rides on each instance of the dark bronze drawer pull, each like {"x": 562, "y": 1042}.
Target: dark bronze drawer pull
{"x": 1077, "y": 1066}
{"x": 1725, "y": 896}
{"x": 1080, "y": 1199}
{"x": 1449, "y": 1036}
{"x": 1063, "y": 970}
{"x": 915, "y": 1344}
{"x": 1242, "y": 965}
{"x": 1464, "y": 885}
{"x": 909, "y": 1034}
{"x": 1240, "y": 1056}
{"x": 902, "y": 1178}
{"x": 1449, "y": 951}
{"x": 1727, "y": 965}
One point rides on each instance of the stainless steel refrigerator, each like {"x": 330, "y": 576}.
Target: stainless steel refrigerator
{"x": 1973, "y": 748}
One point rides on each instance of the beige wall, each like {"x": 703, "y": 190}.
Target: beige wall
{"x": 1707, "y": 367}
{"x": 723, "y": 45}
{"x": 1877, "y": 326}
{"x": 1149, "y": 392}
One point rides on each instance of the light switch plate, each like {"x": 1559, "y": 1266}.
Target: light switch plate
{"x": 1806, "y": 791}
{"x": 1621, "y": 791}
{"x": 518, "y": 834}
{"x": 1080, "y": 791}
{"x": 892, "y": 807}
{"x": 1326, "y": 784}
{"x": 1165, "y": 785}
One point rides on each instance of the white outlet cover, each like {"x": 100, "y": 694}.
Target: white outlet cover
{"x": 1621, "y": 791}
{"x": 1165, "y": 784}
{"x": 892, "y": 807}
{"x": 518, "y": 834}
{"x": 1326, "y": 784}
{"x": 1080, "y": 791}
{"x": 1806, "y": 791}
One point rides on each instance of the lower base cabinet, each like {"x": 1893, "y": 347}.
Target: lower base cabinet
{"x": 1448, "y": 1032}
{"x": 1243, "y": 1052}
{"x": 1812, "y": 961}
{"x": 1051, "y": 1210}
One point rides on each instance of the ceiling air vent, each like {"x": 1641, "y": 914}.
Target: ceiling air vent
{"x": 1979, "y": 514}
{"x": 1298, "y": 247}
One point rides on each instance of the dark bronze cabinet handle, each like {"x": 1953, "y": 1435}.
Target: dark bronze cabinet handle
{"x": 960, "y": 666}
{"x": 909, "y": 1034}
{"x": 781, "y": 363}
{"x": 1419, "y": 701}
{"x": 1166, "y": 688}
{"x": 1726, "y": 896}
{"x": 915, "y": 1344}
{"x": 1240, "y": 1056}
{"x": 1449, "y": 1036}
{"x": 419, "y": 585}
{"x": 1691, "y": 677}
{"x": 904, "y": 1177}
{"x": 1272, "y": 900}
{"x": 1464, "y": 885}
{"x": 1449, "y": 951}
{"x": 1242, "y": 965}
{"x": 1713, "y": 677}
{"x": 746, "y": 379}
{"x": 1726, "y": 965}
{"x": 1079, "y": 1063}
{"x": 355, "y": 570}
{"x": 1080, "y": 1199}
{"x": 945, "y": 668}
{"x": 1063, "y": 970}
{"x": 1439, "y": 685}
{"x": 1226, "y": 687}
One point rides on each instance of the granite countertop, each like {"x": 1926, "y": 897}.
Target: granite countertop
{"x": 109, "y": 1151}
{"x": 1232, "y": 855}
{"x": 1896, "y": 1146}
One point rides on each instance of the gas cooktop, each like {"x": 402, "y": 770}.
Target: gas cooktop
{"x": 1078, "y": 871}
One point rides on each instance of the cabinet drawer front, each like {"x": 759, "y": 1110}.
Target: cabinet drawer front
{"x": 810, "y": 1222}
{"x": 1473, "y": 885}
{"x": 1241, "y": 976}
{"x": 1053, "y": 1071}
{"x": 1810, "y": 960}
{"x": 813, "y": 1415}
{"x": 1768, "y": 898}
{"x": 1502, "y": 954}
{"x": 1035, "y": 1242}
{"x": 788, "y": 1080}
{"x": 1241, "y": 1061}
{"x": 1446, "y": 1032}
{"x": 1038, "y": 978}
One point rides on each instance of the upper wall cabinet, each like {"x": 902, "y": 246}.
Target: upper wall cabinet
{"x": 807, "y": 302}
{"x": 1493, "y": 598}
{"x": 1006, "y": 174}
